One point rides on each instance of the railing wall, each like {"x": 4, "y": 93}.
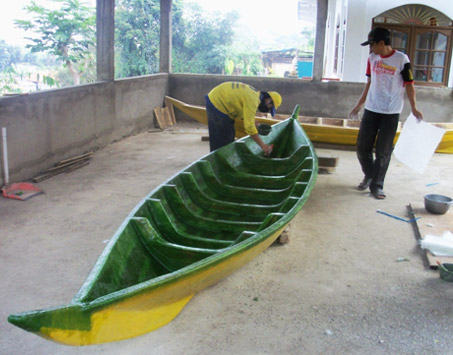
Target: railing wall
{"x": 46, "y": 127}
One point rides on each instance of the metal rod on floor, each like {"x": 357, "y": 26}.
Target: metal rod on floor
{"x": 5, "y": 157}
{"x": 418, "y": 237}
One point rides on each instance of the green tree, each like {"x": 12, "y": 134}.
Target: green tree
{"x": 137, "y": 28}
{"x": 68, "y": 33}
{"x": 201, "y": 43}
{"x": 246, "y": 62}
{"x": 8, "y": 81}
{"x": 9, "y": 55}
{"x": 308, "y": 34}
{"x": 245, "y": 55}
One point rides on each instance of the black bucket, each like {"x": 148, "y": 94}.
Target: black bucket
{"x": 264, "y": 129}
{"x": 438, "y": 204}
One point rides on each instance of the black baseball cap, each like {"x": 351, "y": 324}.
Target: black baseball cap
{"x": 377, "y": 35}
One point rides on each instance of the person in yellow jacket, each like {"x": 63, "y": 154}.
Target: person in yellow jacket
{"x": 232, "y": 101}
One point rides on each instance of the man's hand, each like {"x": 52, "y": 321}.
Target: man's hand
{"x": 267, "y": 149}
{"x": 417, "y": 114}
{"x": 354, "y": 114}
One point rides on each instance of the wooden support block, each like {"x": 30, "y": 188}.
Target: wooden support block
{"x": 326, "y": 169}
{"x": 284, "y": 237}
{"x": 327, "y": 161}
{"x": 334, "y": 146}
{"x": 327, "y": 164}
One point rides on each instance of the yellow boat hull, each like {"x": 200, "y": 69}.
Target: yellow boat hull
{"x": 151, "y": 310}
{"x": 318, "y": 130}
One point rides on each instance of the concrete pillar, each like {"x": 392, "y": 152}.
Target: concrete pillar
{"x": 165, "y": 36}
{"x": 105, "y": 36}
{"x": 320, "y": 40}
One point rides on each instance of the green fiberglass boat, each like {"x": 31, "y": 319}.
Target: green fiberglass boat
{"x": 190, "y": 232}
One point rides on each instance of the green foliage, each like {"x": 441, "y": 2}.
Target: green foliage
{"x": 11, "y": 77}
{"x": 229, "y": 67}
{"x": 137, "y": 28}
{"x": 68, "y": 33}
{"x": 49, "y": 81}
{"x": 245, "y": 55}
{"x": 88, "y": 75}
{"x": 9, "y": 55}
{"x": 308, "y": 33}
{"x": 8, "y": 81}
{"x": 201, "y": 43}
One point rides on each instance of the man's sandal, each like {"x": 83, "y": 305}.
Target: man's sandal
{"x": 364, "y": 184}
{"x": 379, "y": 194}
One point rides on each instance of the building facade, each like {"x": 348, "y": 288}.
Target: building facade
{"x": 423, "y": 30}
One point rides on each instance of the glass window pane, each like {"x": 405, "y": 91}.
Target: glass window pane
{"x": 437, "y": 75}
{"x": 421, "y": 58}
{"x": 440, "y": 42}
{"x": 424, "y": 40}
{"x": 420, "y": 74}
{"x": 439, "y": 59}
{"x": 399, "y": 39}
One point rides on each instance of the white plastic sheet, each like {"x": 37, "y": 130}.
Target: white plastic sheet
{"x": 417, "y": 143}
{"x": 439, "y": 246}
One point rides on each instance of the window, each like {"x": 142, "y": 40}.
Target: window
{"x": 425, "y": 35}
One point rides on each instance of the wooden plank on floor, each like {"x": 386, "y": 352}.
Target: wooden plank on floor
{"x": 66, "y": 165}
{"x": 166, "y": 116}
{"x": 163, "y": 117}
{"x": 159, "y": 118}
{"x": 171, "y": 110}
{"x": 73, "y": 159}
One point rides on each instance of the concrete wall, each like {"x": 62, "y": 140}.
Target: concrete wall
{"x": 46, "y": 127}
{"x": 315, "y": 98}
{"x": 328, "y": 99}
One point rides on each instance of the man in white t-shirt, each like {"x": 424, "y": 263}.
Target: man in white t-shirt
{"x": 389, "y": 76}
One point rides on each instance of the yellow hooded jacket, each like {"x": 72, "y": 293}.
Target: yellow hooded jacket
{"x": 238, "y": 101}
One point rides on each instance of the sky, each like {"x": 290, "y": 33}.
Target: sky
{"x": 262, "y": 18}
{"x": 8, "y": 32}
{"x": 14, "y": 11}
